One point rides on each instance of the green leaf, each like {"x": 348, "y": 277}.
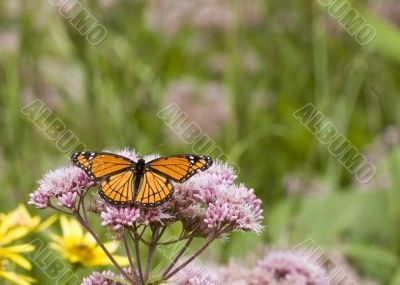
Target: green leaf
{"x": 278, "y": 220}
{"x": 372, "y": 260}
{"x": 387, "y": 39}
{"x": 343, "y": 216}
{"x": 396, "y": 278}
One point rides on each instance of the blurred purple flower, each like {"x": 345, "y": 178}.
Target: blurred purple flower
{"x": 278, "y": 267}
{"x": 191, "y": 275}
{"x": 169, "y": 16}
{"x": 250, "y": 60}
{"x": 237, "y": 274}
{"x": 388, "y": 10}
{"x": 391, "y": 136}
{"x": 378, "y": 152}
{"x": 9, "y": 41}
{"x": 287, "y": 267}
{"x": 296, "y": 184}
{"x": 196, "y": 100}
{"x": 195, "y": 275}
{"x": 347, "y": 274}
{"x": 108, "y": 4}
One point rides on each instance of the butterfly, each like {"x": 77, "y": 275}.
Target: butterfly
{"x": 124, "y": 182}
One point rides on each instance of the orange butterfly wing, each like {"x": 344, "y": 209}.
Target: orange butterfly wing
{"x": 116, "y": 176}
{"x": 118, "y": 189}
{"x": 101, "y": 164}
{"x": 154, "y": 189}
{"x": 180, "y": 168}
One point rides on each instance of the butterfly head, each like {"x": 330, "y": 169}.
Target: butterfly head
{"x": 140, "y": 165}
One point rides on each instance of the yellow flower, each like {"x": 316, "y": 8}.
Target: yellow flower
{"x": 81, "y": 248}
{"x": 20, "y": 218}
{"x": 10, "y": 231}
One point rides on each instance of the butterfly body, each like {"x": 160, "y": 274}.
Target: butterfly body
{"x": 123, "y": 182}
{"x": 139, "y": 170}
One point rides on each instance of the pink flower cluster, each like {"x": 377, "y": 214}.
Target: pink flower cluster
{"x": 195, "y": 275}
{"x": 100, "y": 278}
{"x": 209, "y": 204}
{"x": 117, "y": 218}
{"x": 106, "y": 277}
{"x": 188, "y": 276}
{"x": 211, "y": 201}
{"x": 278, "y": 268}
{"x": 62, "y": 184}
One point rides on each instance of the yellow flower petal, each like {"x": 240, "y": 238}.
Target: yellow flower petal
{"x": 5, "y": 225}
{"x": 16, "y": 258}
{"x": 71, "y": 228}
{"x": 111, "y": 246}
{"x": 20, "y": 217}
{"x": 56, "y": 238}
{"x": 12, "y": 235}
{"x": 65, "y": 227}
{"x": 121, "y": 260}
{"x": 89, "y": 240}
{"x": 17, "y": 278}
{"x": 22, "y": 211}
{"x": 77, "y": 228}
{"x": 19, "y": 248}
{"x": 78, "y": 247}
{"x": 47, "y": 223}
{"x": 103, "y": 260}
{"x": 57, "y": 247}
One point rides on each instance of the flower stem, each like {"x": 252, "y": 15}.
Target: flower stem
{"x": 190, "y": 259}
{"x": 152, "y": 249}
{"x": 174, "y": 240}
{"x": 94, "y": 235}
{"x": 60, "y": 210}
{"x": 137, "y": 253}
{"x": 82, "y": 200}
{"x": 128, "y": 252}
{"x": 178, "y": 256}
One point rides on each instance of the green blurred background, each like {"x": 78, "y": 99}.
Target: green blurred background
{"x": 239, "y": 69}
